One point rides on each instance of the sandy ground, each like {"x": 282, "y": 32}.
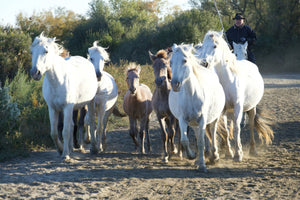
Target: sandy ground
{"x": 121, "y": 173}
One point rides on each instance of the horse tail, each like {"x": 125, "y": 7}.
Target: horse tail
{"x": 222, "y": 130}
{"x": 117, "y": 113}
{"x": 263, "y": 123}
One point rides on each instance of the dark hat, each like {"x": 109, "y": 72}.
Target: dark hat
{"x": 239, "y": 16}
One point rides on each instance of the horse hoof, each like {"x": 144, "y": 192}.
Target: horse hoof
{"x": 66, "y": 159}
{"x": 238, "y": 158}
{"x": 229, "y": 155}
{"x": 93, "y": 151}
{"x": 165, "y": 159}
{"x": 191, "y": 155}
{"x": 175, "y": 151}
{"x": 82, "y": 150}
{"x": 202, "y": 169}
{"x": 253, "y": 152}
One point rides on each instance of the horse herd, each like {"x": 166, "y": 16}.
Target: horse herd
{"x": 195, "y": 86}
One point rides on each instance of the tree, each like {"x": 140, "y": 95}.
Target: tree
{"x": 14, "y": 52}
{"x": 57, "y": 23}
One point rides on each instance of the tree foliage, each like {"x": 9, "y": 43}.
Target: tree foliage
{"x": 14, "y": 52}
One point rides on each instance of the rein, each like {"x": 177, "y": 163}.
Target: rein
{"x": 221, "y": 21}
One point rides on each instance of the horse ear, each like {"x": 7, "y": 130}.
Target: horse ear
{"x": 95, "y": 43}
{"x": 246, "y": 44}
{"x": 221, "y": 32}
{"x": 138, "y": 69}
{"x": 152, "y": 57}
{"x": 174, "y": 47}
{"x": 234, "y": 44}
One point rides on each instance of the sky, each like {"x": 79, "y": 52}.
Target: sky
{"x": 9, "y": 9}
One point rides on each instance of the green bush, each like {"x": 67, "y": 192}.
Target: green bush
{"x": 9, "y": 115}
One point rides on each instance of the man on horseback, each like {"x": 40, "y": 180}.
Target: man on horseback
{"x": 240, "y": 33}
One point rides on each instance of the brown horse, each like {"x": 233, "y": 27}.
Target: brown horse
{"x": 137, "y": 105}
{"x": 160, "y": 103}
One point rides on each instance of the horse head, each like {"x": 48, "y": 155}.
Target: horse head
{"x": 98, "y": 56}
{"x": 240, "y": 50}
{"x": 42, "y": 49}
{"x": 161, "y": 67}
{"x": 132, "y": 79}
{"x": 179, "y": 65}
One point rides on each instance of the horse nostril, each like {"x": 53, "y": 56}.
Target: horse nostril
{"x": 132, "y": 90}
{"x": 99, "y": 75}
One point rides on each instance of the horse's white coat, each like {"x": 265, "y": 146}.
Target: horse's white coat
{"x": 107, "y": 93}
{"x": 196, "y": 99}
{"x": 242, "y": 83}
{"x": 240, "y": 50}
{"x": 68, "y": 84}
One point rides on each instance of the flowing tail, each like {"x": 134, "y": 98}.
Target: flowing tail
{"x": 117, "y": 113}
{"x": 263, "y": 123}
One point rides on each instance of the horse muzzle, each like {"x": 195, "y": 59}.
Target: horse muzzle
{"x": 132, "y": 90}
{"x": 159, "y": 81}
{"x": 175, "y": 85}
{"x": 35, "y": 74}
{"x": 99, "y": 76}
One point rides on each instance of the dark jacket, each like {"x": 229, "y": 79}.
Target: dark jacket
{"x": 241, "y": 35}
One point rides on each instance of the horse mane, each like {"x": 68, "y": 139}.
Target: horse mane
{"x": 163, "y": 53}
{"x": 41, "y": 39}
{"x": 194, "y": 62}
{"x": 228, "y": 58}
{"x": 101, "y": 50}
{"x": 132, "y": 66}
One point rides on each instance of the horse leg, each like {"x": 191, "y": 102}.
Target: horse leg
{"x": 228, "y": 151}
{"x": 238, "y": 156}
{"x": 91, "y": 122}
{"x": 53, "y": 116}
{"x": 184, "y": 139}
{"x": 201, "y": 144}
{"x": 133, "y": 131}
{"x": 251, "y": 113}
{"x": 104, "y": 123}
{"x": 143, "y": 123}
{"x": 75, "y": 140}
{"x": 100, "y": 113}
{"x": 164, "y": 137}
{"x": 60, "y": 125}
{"x": 171, "y": 123}
{"x": 214, "y": 149}
{"x": 81, "y": 128}
{"x": 68, "y": 127}
{"x": 177, "y": 128}
{"x": 147, "y": 133}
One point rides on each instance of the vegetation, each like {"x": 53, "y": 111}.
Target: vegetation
{"x": 129, "y": 28}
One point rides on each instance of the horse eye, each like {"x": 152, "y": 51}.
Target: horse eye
{"x": 215, "y": 46}
{"x": 46, "y": 51}
{"x": 91, "y": 59}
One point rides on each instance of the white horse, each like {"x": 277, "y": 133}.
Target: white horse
{"x": 68, "y": 85}
{"x": 240, "y": 50}
{"x": 106, "y": 96}
{"x": 196, "y": 99}
{"x": 243, "y": 86}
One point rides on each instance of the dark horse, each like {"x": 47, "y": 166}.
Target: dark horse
{"x": 160, "y": 103}
{"x": 137, "y": 105}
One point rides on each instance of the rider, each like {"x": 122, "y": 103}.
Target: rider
{"x": 240, "y": 33}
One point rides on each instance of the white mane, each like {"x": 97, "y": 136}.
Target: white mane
{"x": 188, "y": 51}
{"x": 221, "y": 49}
{"x": 58, "y": 49}
{"x": 101, "y": 50}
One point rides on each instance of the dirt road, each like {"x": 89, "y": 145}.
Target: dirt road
{"x": 121, "y": 173}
